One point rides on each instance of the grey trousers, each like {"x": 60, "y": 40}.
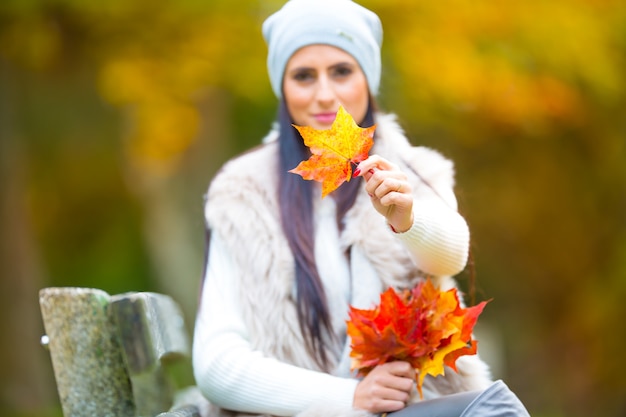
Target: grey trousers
{"x": 495, "y": 401}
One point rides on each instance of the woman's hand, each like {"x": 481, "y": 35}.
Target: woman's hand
{"x": 386, "y": 388}
{"x": 389, "y": 190}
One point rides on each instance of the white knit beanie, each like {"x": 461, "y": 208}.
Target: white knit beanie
{"x": 340, "y": 23}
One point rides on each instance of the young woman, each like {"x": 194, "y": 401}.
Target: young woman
{"x": 284, "y": 264}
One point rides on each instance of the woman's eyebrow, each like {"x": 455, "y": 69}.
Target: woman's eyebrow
{"x": 302, "y": 68}
{"x": 343, "y": 63}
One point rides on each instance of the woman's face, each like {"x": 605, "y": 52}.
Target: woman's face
{"x": 320, "y": 78}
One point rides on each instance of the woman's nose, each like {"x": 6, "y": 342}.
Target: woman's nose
{"x": 325, "y": 91}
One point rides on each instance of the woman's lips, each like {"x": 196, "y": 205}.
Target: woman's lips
{"x": 325, "y": 118}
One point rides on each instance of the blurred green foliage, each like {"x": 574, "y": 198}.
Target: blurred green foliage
{"x": 115, "y": 115}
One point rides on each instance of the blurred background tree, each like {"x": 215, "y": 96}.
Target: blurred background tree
{"x": 115, "y": 115}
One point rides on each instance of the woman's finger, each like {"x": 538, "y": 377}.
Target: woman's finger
{"x": 375, "y": 162}
{"x": 399, "y": 368}
{"x": 387, "y": 388}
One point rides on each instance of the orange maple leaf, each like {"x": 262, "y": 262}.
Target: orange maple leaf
{"x": 334, "y": 150}
{"x": 426, "y": 327}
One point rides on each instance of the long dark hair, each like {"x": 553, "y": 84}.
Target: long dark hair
{"x": 296, "y": 210}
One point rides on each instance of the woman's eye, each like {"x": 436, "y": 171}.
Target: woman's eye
{"x": 342, "y": 71}
{"x": 303, "y": 76}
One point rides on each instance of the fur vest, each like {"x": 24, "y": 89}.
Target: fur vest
{"x": 242, "y": 205}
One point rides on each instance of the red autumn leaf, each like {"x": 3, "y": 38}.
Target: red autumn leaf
{"x": 426, "y": 327}
{"x": 334, "y": 150}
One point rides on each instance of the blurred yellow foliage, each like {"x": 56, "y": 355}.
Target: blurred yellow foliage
{"x": 34, "y": 42}
{"x": 161, "y": 87}
{"x": 516, "y": 63}
{"x": 160, "y": 132}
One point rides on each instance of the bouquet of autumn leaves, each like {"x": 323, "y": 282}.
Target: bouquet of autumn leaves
{"x": 425, "y": 326}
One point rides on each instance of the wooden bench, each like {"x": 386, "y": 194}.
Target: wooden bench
{"x": 111, "y": 355}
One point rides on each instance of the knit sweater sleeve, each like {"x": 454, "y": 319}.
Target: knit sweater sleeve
{"x": 438, "y": 239}
{"x": 234, "y": 376}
